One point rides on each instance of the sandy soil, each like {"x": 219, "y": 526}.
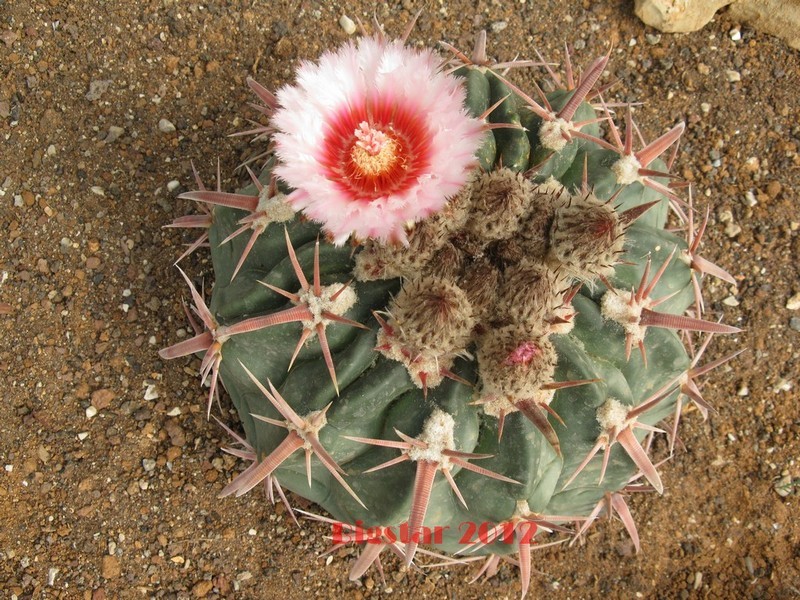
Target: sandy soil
{"x": 111, "y": 470}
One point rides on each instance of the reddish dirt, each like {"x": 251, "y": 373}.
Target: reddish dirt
{"x": 123, "y": 504}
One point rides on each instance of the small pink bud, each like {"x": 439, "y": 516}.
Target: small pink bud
{"x": 523, "y": 354}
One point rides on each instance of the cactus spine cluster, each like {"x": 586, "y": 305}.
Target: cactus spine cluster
{"x": 498, "y": 379}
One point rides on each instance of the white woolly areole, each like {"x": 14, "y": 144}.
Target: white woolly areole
{"x": 317, "y": 304}
{"x": 523, "y": 509}
{"x": 627, "y": 169}
{"x": 552, "y": 134}
{"x": 553, "y": 187}
{"x": 612, "y": 415}
{"x": 685, "y": 257}
{"x": 314, "y": 421}
{"x": 437, "y": 434}
{"x": 272, "y": 209}
{"x": 618, "y": 307}
{"x": 559, "y": 327}
{"x": 425, "y": 361}
{"x": 495, "y": 405}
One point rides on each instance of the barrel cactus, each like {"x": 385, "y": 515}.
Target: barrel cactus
{"x": 448, "y": 311}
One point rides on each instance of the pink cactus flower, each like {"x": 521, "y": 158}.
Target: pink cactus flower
{"x": 373, "y": 137}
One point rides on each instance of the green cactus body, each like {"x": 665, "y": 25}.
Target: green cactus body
{"x": 559, "y": 339}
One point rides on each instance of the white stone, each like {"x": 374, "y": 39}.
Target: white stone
{"x": 166, "y": 126}
{"x": 677, "y": 16}
{"x": 780, "y": 18}
{"x": 151, "y": 393}
{"x": 733, "y": 76}
{"x": 732, "y": 230}
{"x": 730, "y": 301}
{"x": 347, "y": 24}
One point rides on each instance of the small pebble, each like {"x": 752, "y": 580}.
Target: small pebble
{"x": 794, "y": 302}
{"x": 91, "y": 412}
{"x": 784, "y": 488}
{"x": 652, "y": 38}
{"x": 499, "y": 26}
{"x": 743, "y": 391}
{"x": 733, "y": 76}
{"x": 748, "y": 563}
{"x": 752, "y": 164}
{"x": 148, "y": 464}
{"x": 750, "y": 198}
{"x": 705, "y": 107}
{"x": 202, "y": 588}
{"x": 151, "y": 393}
{"x": 782, "y": 386}
{"x": 732, "y": 230}
{"x": 774, "y": 189}
{"x": 96, "y": 189}
{"x": 735, "y": 34}
{"x": 114, "y": 133}
{"x": 83, "y": 435}
{"x": 110, "y": 568}
{"x": 166, "y": 126}
{"x": 794, "y": 323}
{"x": 730, "y": 301}
{"x": 97, "y": 88}
{"x": 347, "y": 24}
{"x": 173, "y": 185}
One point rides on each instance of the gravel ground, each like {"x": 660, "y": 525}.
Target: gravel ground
{"x": 111, "y": 469}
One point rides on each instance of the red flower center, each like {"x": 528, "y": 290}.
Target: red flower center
{"x": 376, "y": 149}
